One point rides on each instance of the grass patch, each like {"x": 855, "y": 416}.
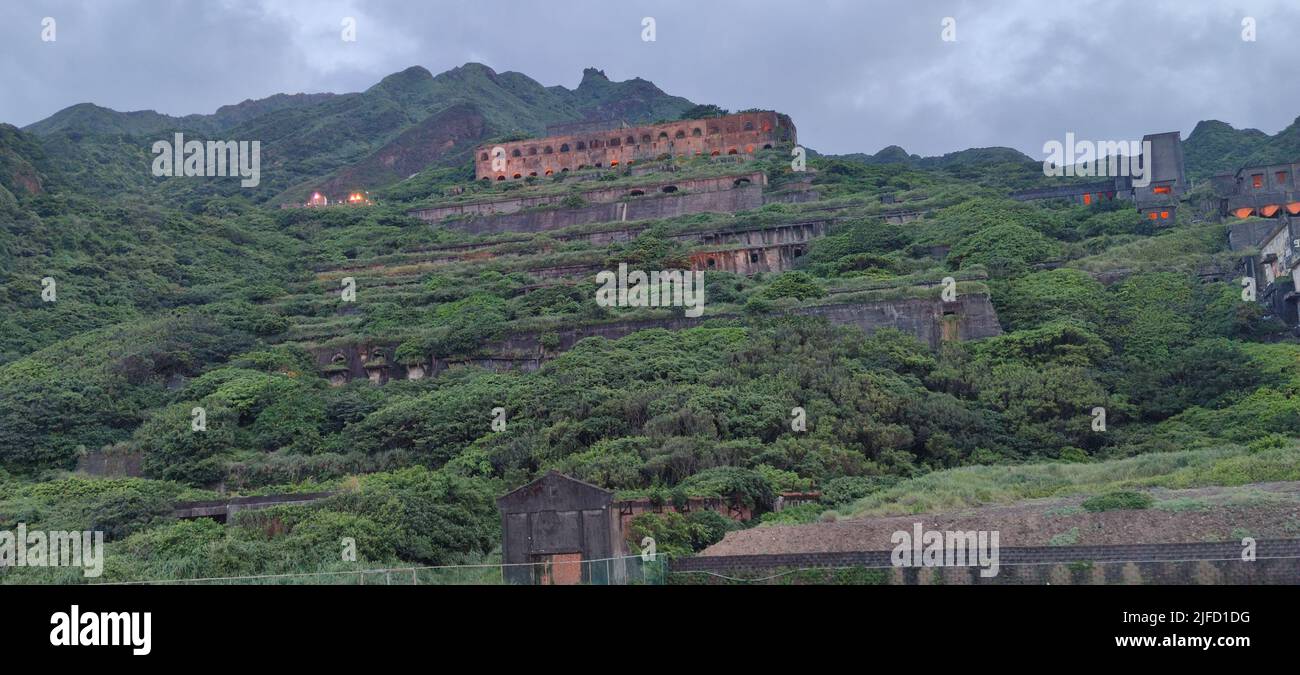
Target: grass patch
{"x": 966, "y": 487}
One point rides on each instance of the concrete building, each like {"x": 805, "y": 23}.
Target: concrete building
{"x": 1157, "y": 200}
{"x": 1167, "y": 178}
{"x": 1276, "y": 265}
{"x": 1267, "y": 191}
{"x": 739, "y": 134}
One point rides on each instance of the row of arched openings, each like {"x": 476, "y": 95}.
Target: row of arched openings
{"x": 615, "y": 142}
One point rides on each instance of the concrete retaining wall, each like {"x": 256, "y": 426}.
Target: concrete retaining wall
{"x": 1193, "y": 563}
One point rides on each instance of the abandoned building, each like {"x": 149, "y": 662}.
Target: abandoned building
{"x": 1264, "y": 191}
{"x": 738, "y": 134}
{"x": 1275, "y": 268}
{"x": 1157, "y": 200}
{"x": 1265, "y": 202}
{"x": 560, "y": 530}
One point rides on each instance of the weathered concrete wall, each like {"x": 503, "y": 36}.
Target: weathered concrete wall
{"x": 222, "y": 509}
{"x": 743, "y": 198}
{"x": 750, "y": 260}
{"x": 594, "y": 196}
{"x": 931, "y": 320}
{"x": 106, "y": 464}
{"x": 1095, "y": 191}
{"x": 742, "y": 133}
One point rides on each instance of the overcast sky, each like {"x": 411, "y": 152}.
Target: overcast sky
{"x": 856, "y": 75}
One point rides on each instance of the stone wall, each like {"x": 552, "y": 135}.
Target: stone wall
{"x": 1192, "y": 563}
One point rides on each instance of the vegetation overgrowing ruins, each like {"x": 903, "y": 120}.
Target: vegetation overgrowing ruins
{"x": 474, "y": 291}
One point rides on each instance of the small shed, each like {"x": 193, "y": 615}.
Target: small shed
{"x": 560, "y": 530}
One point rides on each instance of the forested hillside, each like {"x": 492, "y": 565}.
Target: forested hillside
{"x": 177, "y": 294}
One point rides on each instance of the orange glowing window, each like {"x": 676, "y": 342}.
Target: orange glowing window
{"x": 1293, "y": 208}
{"x": 355, "y": 197}
{"x": 1161, "y": 189}
{"x": 1243, "y": 212}
{"x": 749, "y": 149}
{"x": 1280, "y": 176}
{"x": 1257, "y": 181}
{"x": 1153, "y": 215}
{"x": 1269, "y": 211}
{"x": 1087, "y": 199}
{"x": 549, "y": 172}
{"x": 614, "y": 163}
{"x": 1164, "y": 215}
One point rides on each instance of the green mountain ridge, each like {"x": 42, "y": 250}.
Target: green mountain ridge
{"x": 311, "y": 139}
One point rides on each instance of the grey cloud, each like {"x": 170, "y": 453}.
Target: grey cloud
{"x": 856, "y": 76}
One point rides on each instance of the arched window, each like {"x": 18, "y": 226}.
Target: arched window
{"x": 731, "y": 151}
{"x": 696, "y": 132}
{"x": 515, "y": 153}
{"x": 749, "y": 126}
{"x": 532, "y": 150}
{"x": 614, "y": 142}
{"x": 663, "y": 135}
{"x": 681, "y": 134}
{"x": 483, "y": 157}
{"x": 547, "y": 150}
{"x": 564, "y": 170}
{"x": 631, "y": 140}
{"x": 767, "y": 146}
{"x": 501, "y": 177}
{"x": 533, "y": 173}
{"x": 645, "y": 138}
{"x": 714, "y": 153}
{"x": 668, "y": 189}
{"x": 564, "y": 147}
{"x": 582, "y": 145}
{"x": 636, "y": 193}
{"x": 518, "y": 176}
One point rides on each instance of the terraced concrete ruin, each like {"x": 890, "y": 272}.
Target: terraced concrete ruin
{"x": 590, "y": 209}
{"x": 932, "y": 320}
